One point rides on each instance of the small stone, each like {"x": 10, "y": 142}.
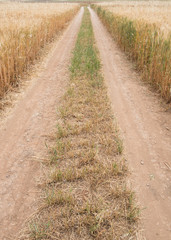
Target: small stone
{"x": 151, "y": 177}
{"x": 142, "y": 163}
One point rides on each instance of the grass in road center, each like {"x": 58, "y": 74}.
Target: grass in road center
{"x": 86, "y": 195}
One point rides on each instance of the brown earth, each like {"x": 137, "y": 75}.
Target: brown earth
{"x": 146, "y": 131}
{"x": 24, "y": 133}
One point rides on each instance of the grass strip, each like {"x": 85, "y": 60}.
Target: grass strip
{"x": 145, "y": 45}
{"x": 86, "y": 195}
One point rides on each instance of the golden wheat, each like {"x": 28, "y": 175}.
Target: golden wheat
{"x": 24, "y": 29}
{"x": 151, "y": 12}
{"x": 145, "y": 39}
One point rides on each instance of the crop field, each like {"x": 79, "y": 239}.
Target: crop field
{"x": 24, "y": 30}
{"x": 143, "y": 30}
{"x": 158, "y": 13}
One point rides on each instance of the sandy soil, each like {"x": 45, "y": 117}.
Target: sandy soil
{"x": 24, "y": 133}
{"x": 146, "y": 130}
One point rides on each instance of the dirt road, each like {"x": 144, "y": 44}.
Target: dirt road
{"x": 23, "y": 136}
{"x": 146, "y": 130}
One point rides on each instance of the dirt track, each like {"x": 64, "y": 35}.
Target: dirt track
{"x": 23, "y": 136}
{"x": 145, "y": 127}
{"x": 146, "y": 130}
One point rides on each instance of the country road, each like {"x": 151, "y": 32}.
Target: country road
{"x": 23, "y": 136}
{"x": 146, "y": 132}
{"x": 144, "y": 124}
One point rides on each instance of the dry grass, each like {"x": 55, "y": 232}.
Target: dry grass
{"x": 86, "y": 196}
{"x": 143, "y": 42}
{"x": 24, "y": 29}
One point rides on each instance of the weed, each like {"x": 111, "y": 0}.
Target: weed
{"x": 38, "y": 230}
{"x": 58, "y": 198}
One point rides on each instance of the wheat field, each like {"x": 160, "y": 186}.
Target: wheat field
{"x": 143, "y": 31}
{"x": 151, "y": 12}
{"x": 24, "y": 30}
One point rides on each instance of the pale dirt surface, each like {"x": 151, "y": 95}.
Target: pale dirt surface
{"x": 146, "y": 131}
{"x": 24, "y": 133}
